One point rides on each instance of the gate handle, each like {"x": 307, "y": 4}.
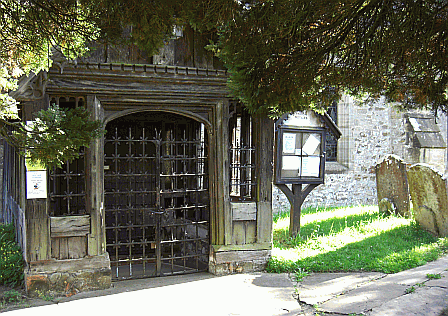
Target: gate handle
{"x": 158, "y": 213}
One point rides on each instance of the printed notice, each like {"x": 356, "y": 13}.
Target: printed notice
{"x": 36, "y": 184}
{"x": 310, "y": 166}
{"x": 289, "y": 143}
{"x": 291, "y": 163}
{"x": 311, "y": 145}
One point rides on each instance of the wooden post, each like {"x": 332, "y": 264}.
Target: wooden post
{"x": 264, "y": 144}
{"x": 95, "y": 185}
{"x": 221, "y": 213}
{"x": 296, "y": 196}
{"x": 37, "y": 221}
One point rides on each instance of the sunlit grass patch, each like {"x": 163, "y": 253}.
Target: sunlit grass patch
{"x": 352, "y": 239}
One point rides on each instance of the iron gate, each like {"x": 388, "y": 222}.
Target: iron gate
{"x": 156, "y": 195}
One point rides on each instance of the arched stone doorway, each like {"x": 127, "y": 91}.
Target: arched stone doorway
{"x": 156, "y": 195}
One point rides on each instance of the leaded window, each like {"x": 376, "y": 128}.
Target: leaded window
{"x": 67, "y": 184}
{"x": 331, "y": 144}
{"x": 242, "y": 154}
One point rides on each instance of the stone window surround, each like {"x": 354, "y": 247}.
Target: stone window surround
{"x": 342, "y": 164}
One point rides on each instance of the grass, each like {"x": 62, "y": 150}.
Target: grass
{"x": 352, "y": 239}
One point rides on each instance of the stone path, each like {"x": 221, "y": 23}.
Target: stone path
{"x": 411, "y": 292}
{"x": 408, "y": 293}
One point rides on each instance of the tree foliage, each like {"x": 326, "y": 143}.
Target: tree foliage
{"x": 291, "y": 54}
{"x": 55, "y": 136}
{"x": 30, "y": 31}
{"x": 282, "y": 55}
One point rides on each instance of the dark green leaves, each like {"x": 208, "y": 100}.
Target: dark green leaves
{"x": 55, "y": 136}
{"x": 289, "y": 55}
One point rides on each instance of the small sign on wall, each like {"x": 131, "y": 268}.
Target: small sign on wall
{"x": 36, "y": 184}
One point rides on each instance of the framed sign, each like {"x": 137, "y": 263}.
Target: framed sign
{"x": 300, "y": 155}
{"x": 36, "y": 184}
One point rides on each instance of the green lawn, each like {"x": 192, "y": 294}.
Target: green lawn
{"x": 352, "y": 239}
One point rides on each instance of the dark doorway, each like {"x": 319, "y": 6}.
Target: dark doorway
{"x": 156, "y": 195}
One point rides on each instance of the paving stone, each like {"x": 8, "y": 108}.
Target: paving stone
{"x": 418, "y": 275}
{"x": 320, "y": 287}
{"x": 363, "y": 298}
{"x": 442, "y": 282}
{"x": 425, "y": 301}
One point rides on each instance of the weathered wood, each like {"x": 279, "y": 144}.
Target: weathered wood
{"x": 202, "y": 58}
{"x": 145, "y": 81}
{"x": 77, "y": 247}
{"x": 68, "y": 247}
{"x": 55, "y": 245}
{"x": 244, "y": 232}
{"x": 95, "y": 185}
{"x": 221, "y": 215}
{"x": 86, "y": 263}
{"x": 235, "y": 256}
{"x": 37, "y": 233}
{"x": 264, "y": 222}
{"x": 184, "y": 48}
{"x": 239, "y": 233}
{"x": 223, "y": 163}
{"x": 244, "y": 211}
{"x": 59, "y": 248}
{"x": 255, "y": 246}
{"x": 36, "y": 214}
{"x": 251, "y": 232}
{"x": 296, "y": 196}
{"x": 264, "y": 141}
{"x": 69, "y": 226}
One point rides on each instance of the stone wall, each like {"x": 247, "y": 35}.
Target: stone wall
{"x": 68, "y": 277}
{"x": 370, "y": 130}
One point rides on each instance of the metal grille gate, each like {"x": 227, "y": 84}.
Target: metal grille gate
{"x": 156, "y": 195}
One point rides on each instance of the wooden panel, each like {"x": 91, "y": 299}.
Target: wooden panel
{"x": 244, "y": 232}
{"x": 68, "y": 247}
{"x": 264, "y": 233}
{"x": 264, "y": 131}
{"x": 37, "y": 230}
{"x": 239, "y": 233}
{"x": 244, "y": 211}
{"x": 63, "y": 266}
{"x": 232, "y": 256}
{"x": 95, "y": 184}
{"x": 256, "y": 246}
{"x": 221, "y": 219}
{"x": 36, "y": 218}
{"x": 69, "y": 226}
{"x": 251, "y": 232}
{"x": 202, "y": 58}
{"x": 184, "y": 49}
{"x": 77, "y": 247}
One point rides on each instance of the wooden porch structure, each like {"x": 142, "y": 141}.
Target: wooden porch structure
{"x": 65, "y": 236}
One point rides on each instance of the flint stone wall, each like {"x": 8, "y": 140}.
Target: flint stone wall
{"x": 370, "y": 130}
{"x": 68, "y": 277}
{"x": 428, "y": 189}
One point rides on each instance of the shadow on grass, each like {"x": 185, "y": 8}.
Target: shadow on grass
{"x": 308, "y": 210}
{"x": 391, "y": 251}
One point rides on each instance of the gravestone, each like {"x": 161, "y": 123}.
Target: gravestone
{"x": 392, "y": 185}
{"x": 429, "y": 198}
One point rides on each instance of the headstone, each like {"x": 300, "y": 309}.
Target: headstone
{"x": 392, "y": 185}
{"x": 429, "y": 196}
